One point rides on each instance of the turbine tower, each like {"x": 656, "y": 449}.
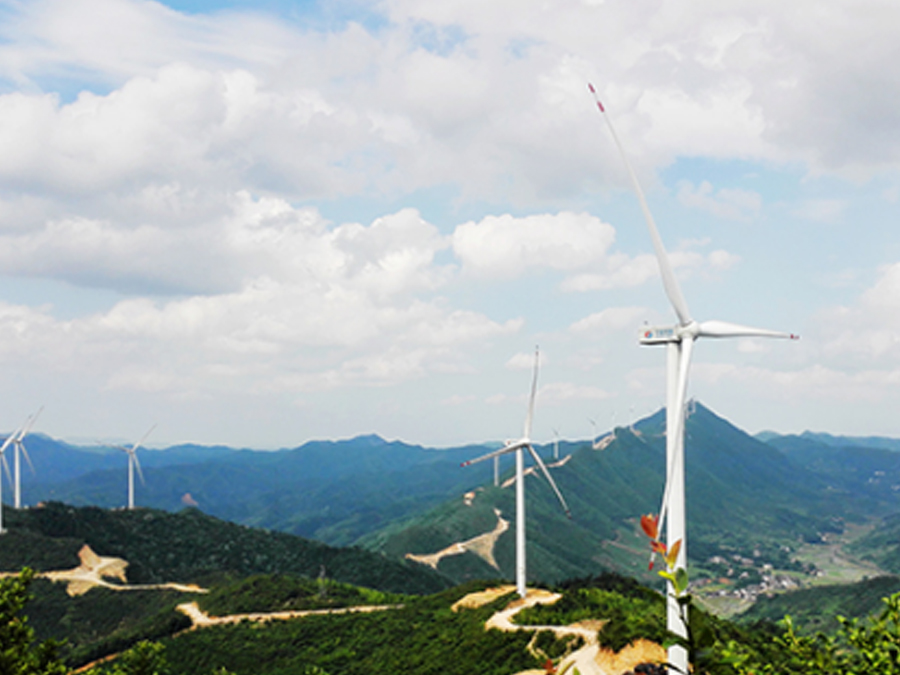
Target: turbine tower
{"x": 19, "y": 450}
{"x": 518, "y": 447}
{"x": 679, "y": 341}
{"x": 132, "y": 464}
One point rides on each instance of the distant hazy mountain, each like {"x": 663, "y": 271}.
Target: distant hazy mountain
{"x": 332, "y": 491}
{"x": 866, "y": 472}
{"x": 880, "y": 442}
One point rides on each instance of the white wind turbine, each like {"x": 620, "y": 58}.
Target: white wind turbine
{"x": 6, "y": 444}
{"x": 555, "y": 444}
{"x": 517, "y": 447}
{"x": 134, "y": 464}
{"x": 679, "y": 341}
{"x": 19, "y": 447}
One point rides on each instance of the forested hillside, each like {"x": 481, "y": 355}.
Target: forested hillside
{"x": 189, "y": 545}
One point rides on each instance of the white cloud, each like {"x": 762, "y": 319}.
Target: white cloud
{"x": 624, "y": 272}
{"x": 731, "y": 203}
{"x": 506, "y": 247}
{"x": 612, "y": 319}
{"x": 288, "y": 302}
{"x": 562, "y": 392}
{"x": 524, "y": 361}
{"x": 233, "y": 98}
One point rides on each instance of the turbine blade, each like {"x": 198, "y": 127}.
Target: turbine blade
{"x": 723, "y": 329}
{"x": 9, "y": 439}
{"x": 534, "y": 380}
{"x": 684, "y": 366}
{"x": 141, "y": 442}
{"x": 6, "y": 468}
{"x": 30, "y": 423}
{"x": 673, "y": 291}
{"x": 509, "y": 447}
{"x": 27, "y": 457}
{"x": 137, "y": 465}
{"x": 540, "y": 463}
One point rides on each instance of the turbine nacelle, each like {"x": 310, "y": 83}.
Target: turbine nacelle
{"x": 660, "y": 335}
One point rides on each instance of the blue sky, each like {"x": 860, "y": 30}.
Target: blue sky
{"x": 261, "y": 223}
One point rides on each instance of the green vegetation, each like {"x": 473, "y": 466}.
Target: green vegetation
{"x": 103, "y": 621}
{"x": 629, "y": 610}
{"x": 279, "y": 592}
{"x": 188, "y": 546}
{"x": 19, "y": 654}
{"x": 423, "y": 637}
{"x": 869, "y": 647}
{"x": 881, "y": 545}
{"x": 816, "y": 609}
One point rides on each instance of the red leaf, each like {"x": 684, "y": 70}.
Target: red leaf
{"x": 650, "y": 525}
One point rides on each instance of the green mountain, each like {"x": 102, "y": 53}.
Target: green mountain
{"x": 188, "y": 546}
{"x": 868, "y": 474}
{"x": 335, "y": 492}
{"x": 745, "y": 498}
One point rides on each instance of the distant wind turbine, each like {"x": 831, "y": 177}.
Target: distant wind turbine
{"x": 555, "y": 444}
{"x": 19, "y": 447}
{"x": 679, "y": 341}
{"x": 6, "y": 444}
{"x": 517, "y": 447}
{"x": 134, "y": 464}
{"x": 594, "y": 429}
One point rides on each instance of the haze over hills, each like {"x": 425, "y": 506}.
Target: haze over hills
{"x": 821, "y": 438}
{"x": 332, "y": 491}
{"x": 743, "y": 493}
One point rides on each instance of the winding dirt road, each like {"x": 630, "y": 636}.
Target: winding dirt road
{"x": 94, "y": 570}
{"x": 201, "y": 619}
{"x": 482, "y": 546}
{"x": 590, "y": 659}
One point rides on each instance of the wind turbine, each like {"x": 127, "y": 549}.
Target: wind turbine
{"x": 134, "y": 464}
{"x": 555, "y": 444}
{"x": 679, "y": 340}
{"x": 6, "y": 443}
{"x": 594, "y": 429}
{"x": 19, "y": 445}
{"x": 517, "y": 447}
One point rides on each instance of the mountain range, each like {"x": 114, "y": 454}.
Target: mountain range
{"x": 745, "y": 494}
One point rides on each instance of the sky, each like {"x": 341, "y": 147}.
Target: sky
{"x": 260, "y": 223}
